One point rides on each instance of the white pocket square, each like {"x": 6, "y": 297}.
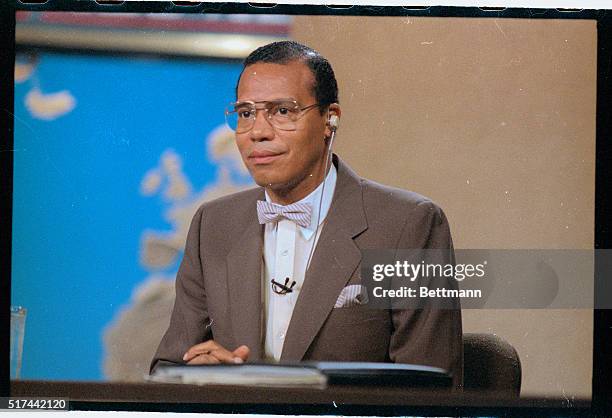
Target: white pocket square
{"x": 352, "y": 295}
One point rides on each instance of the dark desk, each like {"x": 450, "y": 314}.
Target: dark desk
{"x": 158, "y": 396}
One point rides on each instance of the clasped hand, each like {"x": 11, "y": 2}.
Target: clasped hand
{"x": 209, "y": 352}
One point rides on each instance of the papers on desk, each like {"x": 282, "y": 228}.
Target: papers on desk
{"x": 242, "y": 375}
{"x": 305, "y": 374}
{"x": 383, "y": 374}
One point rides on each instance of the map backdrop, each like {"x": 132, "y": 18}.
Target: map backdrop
{"x": 112, "y": 156}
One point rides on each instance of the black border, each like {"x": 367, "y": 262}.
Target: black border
{"x": 7, "y": 62}
{"x": 336, "y": 410}
{"x": 602, "y": 325}
{"x": 602, "y": 338}
{"x": 287, "y": 9}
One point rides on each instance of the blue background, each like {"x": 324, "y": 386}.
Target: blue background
{"x": 78, "y": 214}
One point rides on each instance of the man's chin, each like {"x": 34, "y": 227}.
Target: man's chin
{"x": 268, "y": 183}
{"x": 266, "y": 176}
{"x": 280, "y": 186}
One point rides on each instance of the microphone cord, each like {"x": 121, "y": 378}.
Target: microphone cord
{"x": 327, "y": 158}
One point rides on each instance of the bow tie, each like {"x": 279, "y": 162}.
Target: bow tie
{"x": 299, "y": 213}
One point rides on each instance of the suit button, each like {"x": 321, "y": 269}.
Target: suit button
{"x": 284, "y": 253}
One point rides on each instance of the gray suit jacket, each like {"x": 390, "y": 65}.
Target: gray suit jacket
{"x": 218, "y": 286}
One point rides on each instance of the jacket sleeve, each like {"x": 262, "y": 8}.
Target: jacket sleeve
{"x": 189, "y": 320}
{"x": 430, "y": 336}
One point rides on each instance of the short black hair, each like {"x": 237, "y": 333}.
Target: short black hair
{"x": 325, "y": 88}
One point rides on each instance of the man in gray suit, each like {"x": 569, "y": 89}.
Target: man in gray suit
{"x": 274, "y": 272}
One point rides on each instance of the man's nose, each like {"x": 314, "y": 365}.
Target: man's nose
{"x": 261, "y": 130}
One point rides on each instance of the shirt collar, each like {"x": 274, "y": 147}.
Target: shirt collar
{"x": 314, "y": 199}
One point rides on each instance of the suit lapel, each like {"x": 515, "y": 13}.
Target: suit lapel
{"x": 244, "y": 263}
{"x": 335, "y": 259}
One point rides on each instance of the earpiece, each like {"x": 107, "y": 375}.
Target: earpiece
{"x": 334, "y": 121}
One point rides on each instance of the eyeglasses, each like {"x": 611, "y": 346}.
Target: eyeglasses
{"x": 282, "y": 114}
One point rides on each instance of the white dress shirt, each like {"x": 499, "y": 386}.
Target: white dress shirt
{"x": 287, "y": 248}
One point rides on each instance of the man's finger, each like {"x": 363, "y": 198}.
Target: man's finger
{"x": 202, "y": 348}
{"x": 212, "y": 348}
{"x": 203, "y": 359}
{"x": 242, "y": 352}
{"x": 225, "y": 356}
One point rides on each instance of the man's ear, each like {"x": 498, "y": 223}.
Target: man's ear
{"x": 332, "y": 110}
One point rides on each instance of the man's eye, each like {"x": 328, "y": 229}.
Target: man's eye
{"x": 244, "y": 114}
{"x": 283, "y": 111}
